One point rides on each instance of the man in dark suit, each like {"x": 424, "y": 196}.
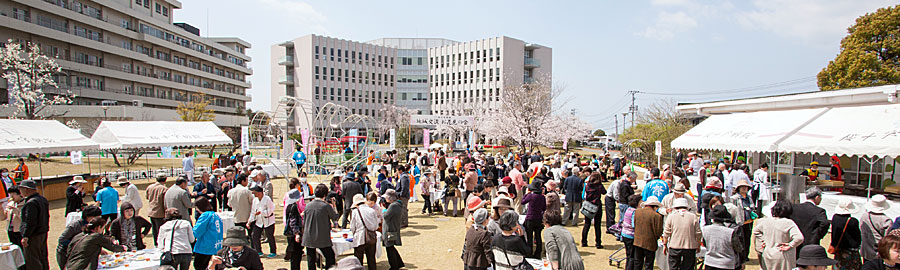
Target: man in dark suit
{"x": 811, "y": 218}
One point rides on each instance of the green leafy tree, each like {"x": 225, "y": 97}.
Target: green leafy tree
{"x": 599, "y": 133}
{"x": 870, "y": 54}
{"x": 660, "y": 122}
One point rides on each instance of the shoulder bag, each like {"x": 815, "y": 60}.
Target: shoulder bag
{"x": 370, "y": 235}
{"x": 831, "y": 248}
{"x": 167, "y": 258}
{"x": 589, "y": 209}
{"x": 524, "y": 265}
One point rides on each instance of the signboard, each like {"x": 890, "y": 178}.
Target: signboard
{"x": 566, "y": 145}
{"x": 304, "y": 137}
{"x": 287, "y": 146}
{"x": 426, "y": 138}
{"x": 75, "y": 157}
{"x": 444, "y": 120}
{"x": 166, "y": 151}
{"x": 353, "y": 133}
{"x": 245, "y": 139}
{"x": 659, "y": 148}
{"x": 472, "y": 139}
{"x": 393, "y": 139}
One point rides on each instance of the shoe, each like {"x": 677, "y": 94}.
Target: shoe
{"x": 260, "y": 254}
{"x": 272, "y": 255}
{"x": 287, "y": 259}
{"x": 584, "y": 244}
{"x": 599, "y": 246}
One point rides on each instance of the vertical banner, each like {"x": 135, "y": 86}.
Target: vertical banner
{"x": 393, "y": 139}
{"x": 304, "y": 137}
{"x": 659, "y": 154}
{"x": 245, "y": 139}
{"x": 75, "y": 157}
{"x": 353, "y": 133}
{"x": 426, "y": 137}
{"x": 471, "y": 139}
{"x": 566, "y": 145}
{"x": 166, "y": 151}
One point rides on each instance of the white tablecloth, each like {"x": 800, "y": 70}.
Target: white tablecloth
{"x": 134, "y": 263}
{"x": 538, "y": 264}
{"x": 227, "y": 220}
{"x": 341, "y": 245}
{"x": 662, "y": 260}
{"x": 11, "y": 258}
{"x": 72, "y": 217}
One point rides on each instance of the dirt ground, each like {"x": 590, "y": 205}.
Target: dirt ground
{"x": 430, "y": 242}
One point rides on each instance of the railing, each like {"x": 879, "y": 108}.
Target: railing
{"x": 286, "y": 60}
{"x": 532, "y": 62}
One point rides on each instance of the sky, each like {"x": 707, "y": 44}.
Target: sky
{"x": 669, "y": 50}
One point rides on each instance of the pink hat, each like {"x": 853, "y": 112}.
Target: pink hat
{"x": 473, "y": 203}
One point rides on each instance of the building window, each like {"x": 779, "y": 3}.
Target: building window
{"x": 165, "y": 11}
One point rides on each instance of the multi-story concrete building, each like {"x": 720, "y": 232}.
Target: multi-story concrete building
{"x": 130, "y": 54}
{"x": 412, "y": 70}
{"x": 356, "y": 75}
{"x": 431, "y": 75}
{"x": 470, "y": 75}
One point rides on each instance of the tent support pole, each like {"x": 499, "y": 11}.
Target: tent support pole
{"x": 149, "y": 173}
{"x": 871, "y": 170}
{"x": 41, "y": 169}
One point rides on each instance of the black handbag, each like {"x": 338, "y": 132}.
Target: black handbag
{"x": 167, "y": 258}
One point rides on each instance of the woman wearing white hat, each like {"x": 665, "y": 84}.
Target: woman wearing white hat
{"x": 845, "y": 236}
{"x": 875, "y": 225}
{"x": 363, "y": 224}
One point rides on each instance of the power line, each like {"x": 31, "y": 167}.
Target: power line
{"x": 742, "y": 89}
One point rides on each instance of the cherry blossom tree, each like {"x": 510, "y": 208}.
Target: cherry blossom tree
{"x": 528, "y": 114}
{"x": 28, "y": 74}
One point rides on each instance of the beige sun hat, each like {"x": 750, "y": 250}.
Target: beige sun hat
{"x": 77, "y": 179}
{"x": 878, "y": 204}
{"x": 845, "y": 207}
{"x": 652, "y": 201}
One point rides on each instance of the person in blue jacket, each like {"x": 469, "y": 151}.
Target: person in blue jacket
{"x": 208, "y": 232}
{"x": 109, "y": 201}
{"x": 300, "y": 159}
{"x": 656, "y": 187}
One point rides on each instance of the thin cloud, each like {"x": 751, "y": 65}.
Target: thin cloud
{"x": 299, "y": 12}
{"x": 668, "y": 24}
{"x": 811, "y": 21}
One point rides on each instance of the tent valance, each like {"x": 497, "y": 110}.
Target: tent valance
{"x": 19, "y": 137}
{"x": 863, "y": 131}
{"x": 754, "y": 131}
{"x": 152, "y": 134}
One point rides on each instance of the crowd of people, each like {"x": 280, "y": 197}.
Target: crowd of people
{"x": 515, "y": 205}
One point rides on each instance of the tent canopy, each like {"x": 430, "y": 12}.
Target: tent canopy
{"x": 19, "y": 137}
{"x": 754, "y": 131}
{"x": 862, "y": 131}
{"x": 153, "y": 134}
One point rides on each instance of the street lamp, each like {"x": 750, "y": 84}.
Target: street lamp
{"x": 105, "y": 108}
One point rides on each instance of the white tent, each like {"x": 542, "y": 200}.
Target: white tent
{"x": 863, "y": 131}
{"x": 755, "y": 131}
{"x": 20, "y": 137}
{"x": 153, "y": 134}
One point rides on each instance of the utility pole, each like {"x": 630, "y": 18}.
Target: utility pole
{"x": 617, "y": 126}
{"x": 633, "y": 108}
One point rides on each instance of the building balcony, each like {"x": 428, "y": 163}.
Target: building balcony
{"x": 286, "y": 60}
{"x": 532, "y": 63}
{"x": 286, "y": 80}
